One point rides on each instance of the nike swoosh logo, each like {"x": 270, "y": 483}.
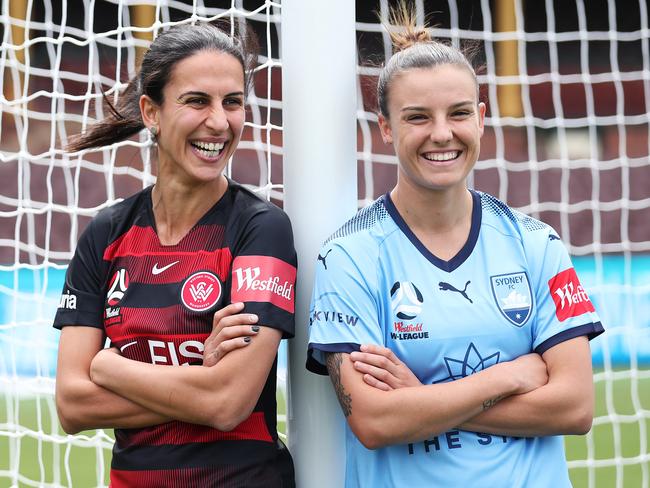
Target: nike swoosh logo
{"x": 156, "y": 270}
{"x": 127, "y": 345}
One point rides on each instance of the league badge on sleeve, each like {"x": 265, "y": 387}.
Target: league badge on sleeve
{"x": 513, "y": 296}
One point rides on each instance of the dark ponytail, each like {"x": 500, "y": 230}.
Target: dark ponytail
{"x": 170, "y": 47}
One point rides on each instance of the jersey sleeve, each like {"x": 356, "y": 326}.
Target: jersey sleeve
{"x": 564, "y": 310}
{"x": 82, "y": 299}
{"x": 344, "y": 311}
{"x": 264, "y": 270}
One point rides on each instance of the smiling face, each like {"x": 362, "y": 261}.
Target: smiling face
{"x": 435, "y": 125}
{"x": 201, "y": 118}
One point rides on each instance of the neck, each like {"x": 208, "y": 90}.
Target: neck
{"x": 433, "y": 211}
{"x": 178, "y": 207}
{"x": 441, "y": 220}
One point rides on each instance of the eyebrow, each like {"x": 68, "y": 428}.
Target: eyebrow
{"x": 203, "y": 94}
{"x": 416, "y": 108}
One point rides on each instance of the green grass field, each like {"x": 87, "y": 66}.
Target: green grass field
{"x": 83, "y": 455}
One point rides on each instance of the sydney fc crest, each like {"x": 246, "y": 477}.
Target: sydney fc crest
{"x": 513, "y": 296}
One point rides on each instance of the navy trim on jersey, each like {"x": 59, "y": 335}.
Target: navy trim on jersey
{"x": 465, "y": 251}
{"x": 314, "y": 366}
{"x": 590, "y": 330}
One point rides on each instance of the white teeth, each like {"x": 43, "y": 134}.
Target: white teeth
{"x": 208, "y": 146}
{"x": 208, "y": 149}
{"x": 446, "y": 156}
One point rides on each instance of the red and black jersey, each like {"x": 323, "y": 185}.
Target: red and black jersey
{"x": 156, "y": 303}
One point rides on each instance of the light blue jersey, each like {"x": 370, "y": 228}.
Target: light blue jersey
{"x": 511, "y": 290}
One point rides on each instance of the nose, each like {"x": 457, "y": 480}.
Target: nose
{"x": 441, "y": 132}
{"x": 217, "y": 119}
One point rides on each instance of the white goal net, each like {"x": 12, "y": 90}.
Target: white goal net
{"x": 567, "y": 86}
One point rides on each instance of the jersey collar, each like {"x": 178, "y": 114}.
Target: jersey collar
{"x": 464, "y": 252}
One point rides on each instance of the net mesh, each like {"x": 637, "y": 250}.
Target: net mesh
{"x": 567, "y": 85}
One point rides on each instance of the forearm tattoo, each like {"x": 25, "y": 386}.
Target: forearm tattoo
{"x": 334, "y": 361}
{"x": 491, "y": 402}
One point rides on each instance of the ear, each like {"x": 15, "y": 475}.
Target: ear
{"x": 149, "y": 111}
{"x": 481, "y": 117}
{"x": 384, "y": 128}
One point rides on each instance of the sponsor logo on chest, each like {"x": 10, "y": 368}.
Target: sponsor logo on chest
{"x": 513, "y": 296}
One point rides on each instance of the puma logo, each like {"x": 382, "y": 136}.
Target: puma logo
{"x": 323, "y": 258}
{"x": 449, "y": 287}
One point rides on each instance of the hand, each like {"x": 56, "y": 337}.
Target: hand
{"x": 529, "y": 371}
{"x": 230, "y": 330}
{"x": 382, "y": 369}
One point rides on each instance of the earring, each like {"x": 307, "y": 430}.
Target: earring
{"x": 153, "y": 132}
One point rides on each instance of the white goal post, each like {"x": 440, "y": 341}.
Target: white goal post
{"x": 567, "y": 86}
{"x": 320, "y": 194}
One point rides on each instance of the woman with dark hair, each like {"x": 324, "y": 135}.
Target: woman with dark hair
{"x": 189, "y": 391}
{"x": 454, "y": 329}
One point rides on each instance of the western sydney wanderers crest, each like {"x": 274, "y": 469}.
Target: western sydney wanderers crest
{"x": 513, "y": 296}
{"x": 201, "y": 291}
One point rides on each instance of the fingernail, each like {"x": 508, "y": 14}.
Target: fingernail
{"x": 247, "y": 339}
{"x": 255, "y": 328}
{"x": 252, "y": 317}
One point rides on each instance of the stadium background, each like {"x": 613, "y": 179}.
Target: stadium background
{"x": 609, "y": 235}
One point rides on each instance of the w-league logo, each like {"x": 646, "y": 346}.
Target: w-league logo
{"x": 406, "y": 300}
{"x": 119, "y": 284}
{"x": 201, "y": 291}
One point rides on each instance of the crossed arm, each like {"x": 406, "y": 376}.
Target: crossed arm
{"x": 529, "y": 396}
{"x": 82, "y": 404}
{"x": 565, "y": 405}
{"x": 99, "y": 388}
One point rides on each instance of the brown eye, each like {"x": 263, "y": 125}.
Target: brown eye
{"x": 415, "y": 117}
{"x": 234, "y": 101}
{"x": 461, "y": 113}
{"x": 196, "y": 101}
